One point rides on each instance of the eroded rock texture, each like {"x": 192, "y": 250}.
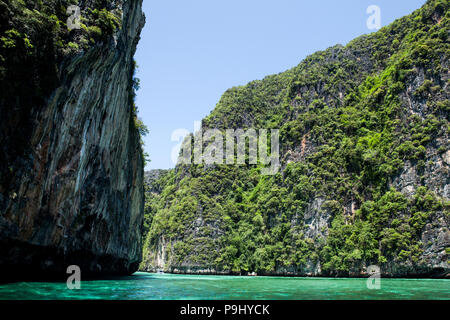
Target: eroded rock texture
{"x": 73, "y": 194}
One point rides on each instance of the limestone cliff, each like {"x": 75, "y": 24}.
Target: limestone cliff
{"x": 71, "y": 181}
{"x": 364, "y": 176}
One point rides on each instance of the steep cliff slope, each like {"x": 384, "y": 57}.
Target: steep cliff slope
{"x": 364, "y": 173}
{"x": 153, "y": 186}
{"x": 71, "y": 175}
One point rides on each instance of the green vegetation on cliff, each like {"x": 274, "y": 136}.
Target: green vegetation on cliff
{"x": 35, "y": 46}
{"x": 364, "y": 147}
{"x": 35, "y": 34}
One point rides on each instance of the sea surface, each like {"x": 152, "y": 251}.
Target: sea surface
{"x": 144, "y": 286}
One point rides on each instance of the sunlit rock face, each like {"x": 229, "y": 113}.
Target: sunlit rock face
{"x": 338, "y": 205}
{"x": 74, "y": 194}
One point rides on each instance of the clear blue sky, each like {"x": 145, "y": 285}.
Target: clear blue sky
{"x": 193, "y": 51}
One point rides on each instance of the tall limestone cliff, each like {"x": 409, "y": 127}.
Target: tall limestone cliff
{"x": 364, "y": 176}
{"x": 71, "y": 174}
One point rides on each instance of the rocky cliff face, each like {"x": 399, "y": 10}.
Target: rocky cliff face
{"x": 71, "y": 185}
{"x": 151, "y": 179}
{"x": 364, "y": 167}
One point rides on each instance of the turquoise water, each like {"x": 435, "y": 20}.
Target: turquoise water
{"x": 188, "y": 287}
